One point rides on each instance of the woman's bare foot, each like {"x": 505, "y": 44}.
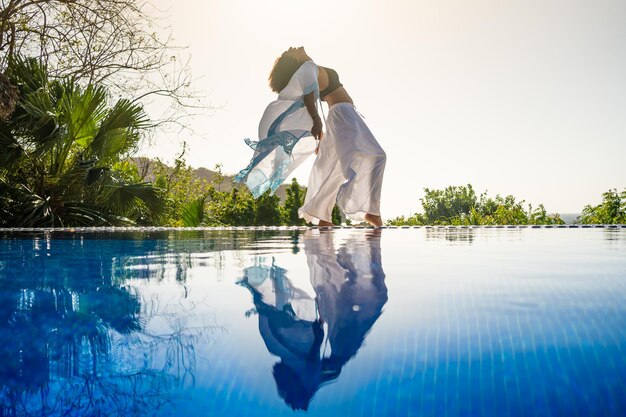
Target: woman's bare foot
{"x": 374, "y": 220}
{"x": 324, "y": 223}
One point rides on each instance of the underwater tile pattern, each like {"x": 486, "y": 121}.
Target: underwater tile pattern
{"x": 293, "y": 321}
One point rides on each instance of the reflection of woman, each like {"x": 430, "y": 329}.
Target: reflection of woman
{"x": 350, "y": 289}
{"x": 350, "y": 164}
{"x": 350, "y": 293}
{"x": 290, "y": 329}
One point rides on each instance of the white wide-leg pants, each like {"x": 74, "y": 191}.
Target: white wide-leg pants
{"x": 348, "y": 170}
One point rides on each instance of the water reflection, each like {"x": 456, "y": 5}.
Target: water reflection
{"x": 54, "y": 333}
{"x": 77, "y": 339}
{"x": 463, "y": 236}
{"x": 316, "y": 335}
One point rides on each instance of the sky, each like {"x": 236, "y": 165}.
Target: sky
{"x": 514, "y": 97}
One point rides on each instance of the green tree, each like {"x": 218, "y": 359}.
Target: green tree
{"x": 294, "y": 200}
{"x": 60, "y": 150}
{"x": 458, "y": 205}
{"x": 218, "y": 177}
{"x": 335, "y": 216}
{"x": 236, "y": 208}
{"x": 186, "y": 195}
{"x": 612, "y": 210}
{"x": 501, "y": 210}
{"x": 441, "y": 206}
{"x": 540, "y": 216}
{"x": 267, "y": 210}
{"x": 193, "y": 212}
{"x": 414, "y": 220}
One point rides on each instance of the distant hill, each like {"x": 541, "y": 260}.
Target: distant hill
{"x": 570, "y": 218}
{"x": 145, "y": 167}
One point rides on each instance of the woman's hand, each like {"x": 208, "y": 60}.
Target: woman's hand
{"x": 316, "y": 130}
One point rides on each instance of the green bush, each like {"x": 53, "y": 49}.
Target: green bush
{"x": 295, "y": 199}
{"x": 62, "y": 151}
{"x": 612, "y": 210}
{"x": 459, "y": 205}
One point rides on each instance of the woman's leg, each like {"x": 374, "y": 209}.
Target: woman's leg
{"x": 348, "y": 171}
{"x": 374, "y": 220}
{"x": 324, "y": 182}
{"x": 363, "y": 164}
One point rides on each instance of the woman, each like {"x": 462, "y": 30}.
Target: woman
{"x": 350, "y": 163}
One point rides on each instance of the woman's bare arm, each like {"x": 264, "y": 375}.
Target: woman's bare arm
{"x": 316, "y": 130}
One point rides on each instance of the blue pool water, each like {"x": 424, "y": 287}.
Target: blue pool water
{"x": 417, "y": 322}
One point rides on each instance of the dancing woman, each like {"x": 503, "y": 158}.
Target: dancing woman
{"x": 350, "y": 163}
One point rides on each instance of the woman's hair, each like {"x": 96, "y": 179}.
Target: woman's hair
{"x": 282, "y": 71}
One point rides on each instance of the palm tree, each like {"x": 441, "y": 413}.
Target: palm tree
{"x": 60, "y": 149}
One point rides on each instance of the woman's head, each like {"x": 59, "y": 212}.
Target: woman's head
{"x": 285, "y": 66}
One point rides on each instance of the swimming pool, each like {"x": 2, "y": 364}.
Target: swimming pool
{"x": 354, "y": 322}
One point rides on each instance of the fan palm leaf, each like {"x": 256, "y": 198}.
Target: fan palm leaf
{"x": 71, "y": 184}
{"x": 27, "y": 74}
{"x": 59, "y": 147}
{"x": 12, "y": 151}
{"x": 31, "y": 209}
{"x": 81, "y": 111}
{"x": 124, "y": 198}
{"x": 119, "y": 131}
{"x": 193, "y": 212}
{"x": 78, "y": 214}
{"x": 36, "y": 121}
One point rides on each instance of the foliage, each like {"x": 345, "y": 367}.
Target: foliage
{"x": 413, "y": 220}
{"x": 218, "y": 177}
{"x": 441, "y": 206}
{"x": 293, "y": 201}
{"x": 335, "y": 216}
{"x": 193, "y": 201}
{"x": 186, "y": 195}
{"x": 267, "y": 210}
{"x": 61, "y": 145}
{"x": 193, "y": 212}
{"x": 612, "y": 210}
{"x": 234, "y": 208}
{"x": 459, "y": 205}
